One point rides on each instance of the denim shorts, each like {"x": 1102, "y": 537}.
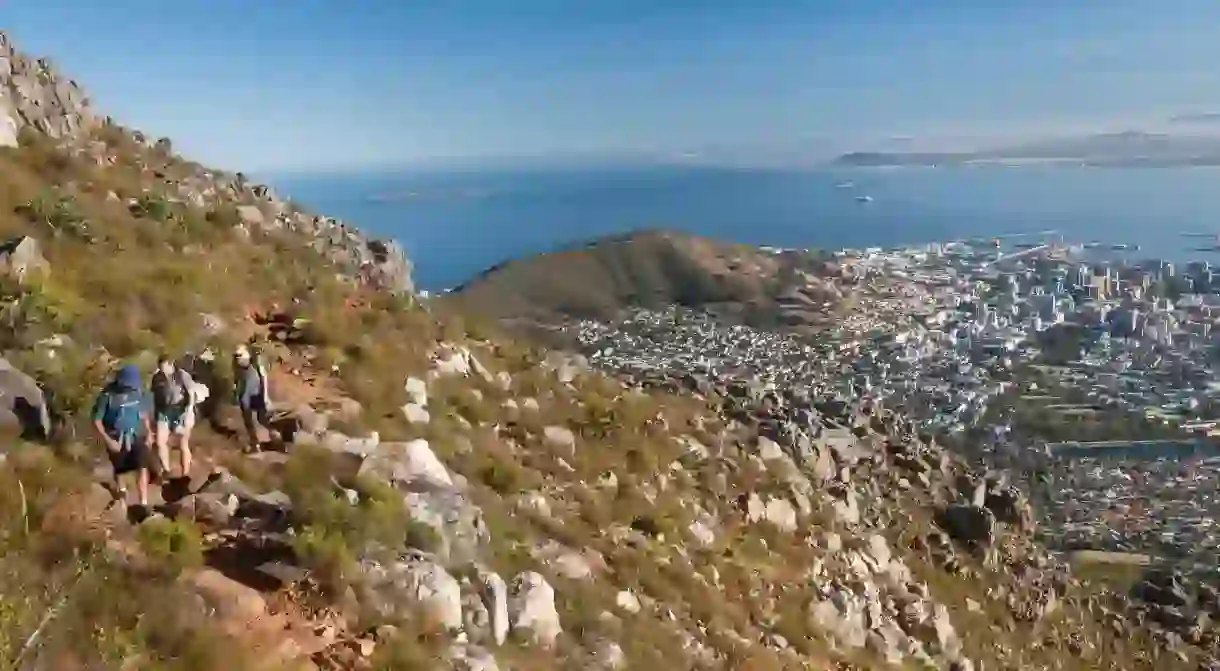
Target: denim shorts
{"x": 177, "y": 420}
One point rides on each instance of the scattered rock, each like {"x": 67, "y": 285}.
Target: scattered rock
{"x": 22, "y": 405}
{"x": 394, "y": 591}
{"x": 969, "y": 524}
{"x": 21, "y": 258}
{"x": 410, "y": 465}
{"x": 531, "y": 608}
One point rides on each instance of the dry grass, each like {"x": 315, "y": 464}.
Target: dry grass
{"x": 101, "y": 612}
{"x": 132, "y": 280}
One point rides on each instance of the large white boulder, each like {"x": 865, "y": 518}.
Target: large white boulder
{"x": 411, "y": 464}
{"x": 531, "y": 609}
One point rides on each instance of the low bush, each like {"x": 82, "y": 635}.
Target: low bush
{"x": 174, "y": 545}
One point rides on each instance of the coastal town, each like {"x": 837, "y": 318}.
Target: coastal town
{"x": 1093, "y": 381}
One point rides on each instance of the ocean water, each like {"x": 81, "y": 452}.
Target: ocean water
{"x": 456, "y": 224}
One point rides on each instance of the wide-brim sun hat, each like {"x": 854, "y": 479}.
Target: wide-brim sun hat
{"x": 129, "y": 377}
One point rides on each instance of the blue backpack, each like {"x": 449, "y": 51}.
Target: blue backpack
{"x": 122, "y": 412}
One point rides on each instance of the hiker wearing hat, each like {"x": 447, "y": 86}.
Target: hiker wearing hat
{"x": 120, "y": 416}
{"x": 251, "y": 391}
{"x": 173, "y": 393}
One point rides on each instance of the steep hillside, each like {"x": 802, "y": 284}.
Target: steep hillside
{"x": 652, "y": 269}
{"x": 438, "y": 497}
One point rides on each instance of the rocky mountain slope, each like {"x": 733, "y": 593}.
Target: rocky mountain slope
{"x": 441, "y": 497}
{"x": 653, "y": 269}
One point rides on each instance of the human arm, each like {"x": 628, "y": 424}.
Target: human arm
{"x": 264, "y": 386}
{"x": 146, "y": 418}
{"x": 239, "y": 385}
{"x": 99, "y": 415}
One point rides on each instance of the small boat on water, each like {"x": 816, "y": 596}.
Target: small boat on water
{"x": 845, "y": 185}
{"x": 864, "y": 199}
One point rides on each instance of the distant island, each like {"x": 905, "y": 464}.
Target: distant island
{"x": 1126, "y": 149}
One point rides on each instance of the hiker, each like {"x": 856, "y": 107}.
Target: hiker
{"x": 251, "y": 390}
{"x": 173, "y": 394}
{"x": 120, "y": 416}
{"x": 203, "y": 372}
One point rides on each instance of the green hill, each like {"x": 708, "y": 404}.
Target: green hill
{"x": 649, "y": 269}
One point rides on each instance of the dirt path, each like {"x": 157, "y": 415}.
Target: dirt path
{"x": 248, "y": 580}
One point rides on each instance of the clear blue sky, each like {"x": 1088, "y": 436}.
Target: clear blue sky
{"x": 262, "y": 85}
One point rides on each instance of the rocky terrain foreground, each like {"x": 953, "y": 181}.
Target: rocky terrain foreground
{"x": 437, "y": 496}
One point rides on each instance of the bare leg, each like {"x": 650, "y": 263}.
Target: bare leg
{"x": 120, "y": 492}
{"x": 142, "y": 485}
{"x": 264, "y": 420}
{"x": 247, "y": 415}
{"x": 163, "y": 434}
{"x": 184, "y": 451}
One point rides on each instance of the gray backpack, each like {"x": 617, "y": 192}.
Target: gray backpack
{"x": 171, "y": 391}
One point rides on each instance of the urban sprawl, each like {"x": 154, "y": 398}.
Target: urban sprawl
{"x": 1092, "y": 382}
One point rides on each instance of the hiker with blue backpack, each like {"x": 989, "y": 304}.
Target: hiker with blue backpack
{"x": 121, "y": 418}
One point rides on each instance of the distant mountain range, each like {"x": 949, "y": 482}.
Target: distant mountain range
{"x": 1131, "y": 148}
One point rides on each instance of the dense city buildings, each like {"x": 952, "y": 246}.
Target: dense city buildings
{"x": 1046, "y": 361}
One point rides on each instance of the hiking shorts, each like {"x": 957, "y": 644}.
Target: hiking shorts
{"x": 175, "y": 421}
{"x": 132, "y": 457}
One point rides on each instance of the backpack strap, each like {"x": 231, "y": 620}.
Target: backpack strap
{"x": 188, "y": 393}
{"x": 265, "y": 382}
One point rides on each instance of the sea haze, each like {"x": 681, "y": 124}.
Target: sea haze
{"x": 455, "y": 224}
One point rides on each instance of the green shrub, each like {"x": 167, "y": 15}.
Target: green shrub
{"x": 327, "y": 556}
{"x": 336, "y": 531}
{"x": 174, "y": 545}
{"x": 153, "y": 207}
{"x": 423, "y": 537}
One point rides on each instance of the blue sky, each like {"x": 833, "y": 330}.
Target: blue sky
{"x": 312, "y": 85}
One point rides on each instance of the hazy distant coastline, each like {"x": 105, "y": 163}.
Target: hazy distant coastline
{"x": 1132, "y": 149}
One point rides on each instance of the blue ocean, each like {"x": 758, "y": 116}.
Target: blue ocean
{"x": 455, "y": 224}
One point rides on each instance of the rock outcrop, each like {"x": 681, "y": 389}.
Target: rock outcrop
{"x": 34, "y": 96}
